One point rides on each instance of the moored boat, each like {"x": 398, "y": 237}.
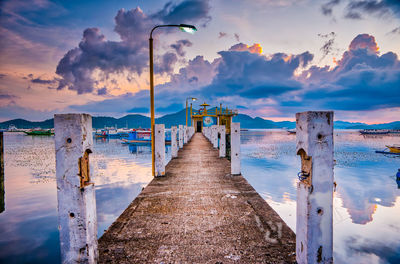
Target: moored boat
{"x": 141, "y": 136}
{"x": 394, "y": 148}
{"x": 374, "y": 132}
{"x": 40, "y": 132}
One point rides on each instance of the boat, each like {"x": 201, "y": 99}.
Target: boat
{"x": 141, "y": 136}
{"x": 40, "y": 132}
{"x": 391, "y": 150}
{"x": 291, "y": 131}
{"x": 374, "y": 132}
{"x": 394, "y": 148}
{"x": 138, "y": 136}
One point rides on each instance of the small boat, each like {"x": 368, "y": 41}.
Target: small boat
{"x": 40, "y": 132}
{"x": 291, "y": 131}
{"x": 391, "y": 150}
{"x": 141, "y": 136}
{"x": 394, "y": 148}
{"x": 374, "y": 132}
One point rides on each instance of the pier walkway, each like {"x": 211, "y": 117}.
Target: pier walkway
{"x": 198, "y": 213}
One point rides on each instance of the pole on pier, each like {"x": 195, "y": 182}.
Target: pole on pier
{"x": 174, "y": 143}
{"x": 2, "y": 193}
{"x": 185, "y": 135}
{"x": 160, "y": 150}
{"x": 180, "y": 136}
{"x": 77, "y": 221}
{"x": 314, "y": 232}
{"x": 235, "y": 148}
{"x": 222, "y": 144}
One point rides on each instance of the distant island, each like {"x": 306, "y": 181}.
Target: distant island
{"x": 179, "y": 118}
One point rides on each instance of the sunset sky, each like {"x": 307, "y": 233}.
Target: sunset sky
{"x": 266, "y": 58}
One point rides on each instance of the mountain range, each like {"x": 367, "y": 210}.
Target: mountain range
{"x": 179, "y": 118}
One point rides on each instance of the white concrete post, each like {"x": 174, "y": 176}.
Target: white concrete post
{"x": 235, "y": 148}
{"x": 215, "y": 136}
{"x": 174, "y": 143}
{"x": 180, "y": 136}
{"x": 222, "y": 144}
{"x": 314, "y": 236}
{"x": 159, "y": 150}
{"x": 77, "y": 220}
{"x": 185, "y": 136}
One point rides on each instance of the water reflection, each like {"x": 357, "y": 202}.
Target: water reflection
{"x": 366, "y": 198}
{"x": 366, "y": 202}
{"x": 28, "y": 227}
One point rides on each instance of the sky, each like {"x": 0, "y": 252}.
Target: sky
{"x": 266, "y": 58}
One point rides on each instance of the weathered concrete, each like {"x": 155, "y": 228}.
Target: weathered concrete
{"x": 198, "y": 213}
{"x": 75, "y": 192}
{"x": 159, "y": 150}
{"x": 235, "y": 148}
{"x": 185, "y": 136}
{"x": 180, "y": 135}
{"x": 2, "y": 192}
{"x": 314, "y": 241}
{"x": 174, "y": 142}
{"x": 214, "y": 136}
{"x": 222, "y": 141}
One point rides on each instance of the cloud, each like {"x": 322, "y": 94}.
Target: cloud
{"x": 102, "y": 91}
{"x": 395, "y": 31}
{"x": 96, "y": 53}
{"x": 43, "y": 81}
{"x": 380, "y": 8}
{"x": 252, "y": 75}
{"x": 185, "y": 11}
{"x": 255, "y": 48}
{"x": 138, "y": 110}
{"x": 328, "y": 7}
{"x": 362, "y": 80}
{"x": 179, "y": 45}
{"x": 222, "y": 34}
{"x": 327, "y": 48}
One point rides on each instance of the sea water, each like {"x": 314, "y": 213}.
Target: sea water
{"x": 366, "y": 200}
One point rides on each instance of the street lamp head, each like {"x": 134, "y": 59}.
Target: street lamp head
{"x": 194, "y": 99}
{"x": 187, "y": 28}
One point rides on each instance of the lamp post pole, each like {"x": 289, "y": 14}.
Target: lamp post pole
{"x": 193, "y": 99}
{"x": 185, "y": 28}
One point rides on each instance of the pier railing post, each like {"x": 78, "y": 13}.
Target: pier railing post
{"x": 235, "y": 149}
{"x": 213, "y": 135}
{"x": 77, "y": 219}
{"x": 222, "y": 144}
{"x": 185, "y": 135}
{"x": 160, "y": 150}
{"x": 314, "y": 232}
{"x": 174, "y": 143}
{"x": 2, "y": 193}
{"x": 180, "y": 135}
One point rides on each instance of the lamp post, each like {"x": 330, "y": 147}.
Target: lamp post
{"x": 185, "y": 28}
{"x": 193, "y": 99}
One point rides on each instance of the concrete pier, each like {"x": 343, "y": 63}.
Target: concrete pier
{"x": 314, "y": 229}
{"x": 198, "y": 213}
{"x": 75, "y": 192}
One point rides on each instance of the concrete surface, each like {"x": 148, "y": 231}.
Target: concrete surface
{"x": 198, "y": 213}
